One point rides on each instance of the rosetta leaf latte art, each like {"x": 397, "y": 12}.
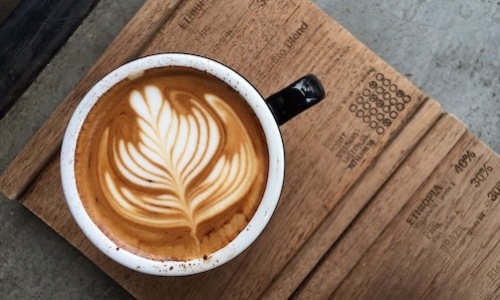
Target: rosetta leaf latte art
{"x": 181, "y": 159}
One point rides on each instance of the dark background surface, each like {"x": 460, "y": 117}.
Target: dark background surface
{"x": 31, "y": 35}
{"x": 6, "y": 7}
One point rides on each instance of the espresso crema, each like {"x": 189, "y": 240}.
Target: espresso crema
{"x": 171, "y": 164}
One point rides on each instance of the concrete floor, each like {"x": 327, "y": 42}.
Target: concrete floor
{"x": 449, "y": 48}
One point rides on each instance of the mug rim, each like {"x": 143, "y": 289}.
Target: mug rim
{"x": 264, "y": 210}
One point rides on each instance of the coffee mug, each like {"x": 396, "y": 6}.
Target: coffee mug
{"x": 173, "y": 163}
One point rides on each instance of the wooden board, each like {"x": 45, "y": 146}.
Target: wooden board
{"x": 374, "y": 154}
{"x": 441, "y": 240}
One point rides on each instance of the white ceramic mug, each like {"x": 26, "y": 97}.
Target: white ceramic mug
{"x": 271, "y": 113}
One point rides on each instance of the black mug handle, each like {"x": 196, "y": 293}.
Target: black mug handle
{"x": 295, "y": 98}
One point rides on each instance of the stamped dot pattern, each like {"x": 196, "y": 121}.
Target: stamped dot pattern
{"x": 379, "y": 103}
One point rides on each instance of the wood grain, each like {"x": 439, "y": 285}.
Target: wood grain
{"x": 357, "y": 164}
{"x": 346, "y": 253}
{"x": 47, "y": 141}
{"x": 451, "y": 238}
{"x": 305, "y": 260}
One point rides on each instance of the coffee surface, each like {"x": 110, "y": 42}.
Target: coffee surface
{"x": 171, "y": 164}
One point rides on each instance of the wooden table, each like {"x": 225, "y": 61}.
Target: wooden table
{"x": 385, "y": 196}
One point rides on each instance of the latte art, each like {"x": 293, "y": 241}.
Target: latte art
{"x": 173, "y": 150}
{"x": 180, "y": 168}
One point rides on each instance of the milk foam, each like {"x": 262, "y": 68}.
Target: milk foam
{"x": 180, "y": 171}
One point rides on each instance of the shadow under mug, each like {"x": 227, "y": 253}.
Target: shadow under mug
{"x": 271, "y": 113}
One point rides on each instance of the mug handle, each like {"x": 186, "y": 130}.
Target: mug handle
{"x": 295, "y": 98}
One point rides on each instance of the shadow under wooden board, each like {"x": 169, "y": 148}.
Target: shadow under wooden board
{"x": 385, "y": 194}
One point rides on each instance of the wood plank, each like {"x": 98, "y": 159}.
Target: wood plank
{"x": 415, "y": 170}
{"x": 305, "y": 260}
{"x": 30, "y": 37}
{"x": 47, "y": 141}
{"x": 449, "y": 228}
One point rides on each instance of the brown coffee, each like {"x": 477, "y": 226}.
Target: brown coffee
{"x": 171, "y": 164}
